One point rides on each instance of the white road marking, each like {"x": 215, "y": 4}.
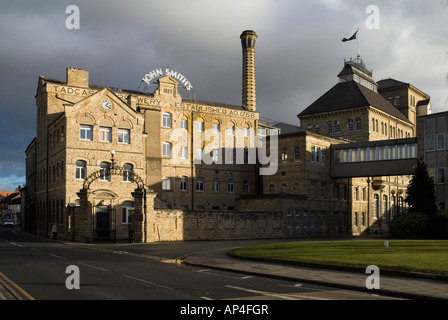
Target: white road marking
{"x": 59, "y": 257}
{"x": 274, "y": 294}
{"x": 88, "y": 265}
{"x": 148, "y": 282}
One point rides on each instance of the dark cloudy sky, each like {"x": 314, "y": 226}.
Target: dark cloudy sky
{"x": 298, "y": 56}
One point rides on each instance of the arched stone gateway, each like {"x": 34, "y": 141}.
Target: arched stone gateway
{"x": 97, "y": 220}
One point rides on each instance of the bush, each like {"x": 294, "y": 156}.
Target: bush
{"x": 415, "y": 225}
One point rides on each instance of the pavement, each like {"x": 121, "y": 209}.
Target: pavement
{"x": 415, "y": 286}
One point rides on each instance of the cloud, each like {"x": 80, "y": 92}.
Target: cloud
{"x": 298, "y": 54}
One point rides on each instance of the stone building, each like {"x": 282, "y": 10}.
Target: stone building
{"x": 120, "y": 164}
{"x": 101, "y": 152}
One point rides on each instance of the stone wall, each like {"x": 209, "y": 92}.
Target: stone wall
{"x": 177, "y": 225}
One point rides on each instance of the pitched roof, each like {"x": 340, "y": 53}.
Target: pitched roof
{"x": 351, "y": 95}
{"x": 390, "y": 83}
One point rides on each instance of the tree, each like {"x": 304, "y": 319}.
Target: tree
{"x": 421, "y": 197}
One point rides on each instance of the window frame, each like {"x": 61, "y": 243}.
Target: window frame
{"x": 167, "y": 120}
{"x": 84, "y": 130}
{"x": 105, "y": 131}
{"x": 124, "y": 136}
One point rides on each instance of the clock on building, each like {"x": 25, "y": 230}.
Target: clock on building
{"x": 106, "y": 105}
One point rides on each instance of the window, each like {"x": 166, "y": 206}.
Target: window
{"x": 216, "y": 185}
{"x": 199, "y": 185}
{"x": 283, "y": 188}
{"x": 104, "y": 171}
{"x": 166, "y": 149}
{"x": 231, "y": 186}
{"x": 183, "y": 184}
{"x": 166, "y": 184}
{"x": 313, "y": 154}
{"x": 124, "y": 136}
{"x": 358, "y": 125}
{"x": 430, "y": 143}
{"x": 215, "y": 155}
{"x": 271, "y": 189}
{"x": 440, "y": 141}
{"x": 337, "y": 127}
{"x": 363, "y": 219}
{"x": 231, "y": 130}
{"x": 440, "y": 175}
{"x": 297, "y": 222}
{"x": 305, "y": 219}
{"x": 81, "y": 170}
{"x": 397, "y": 101}
{"x": 246, "y": 187}
{"x": 313, "y": 190}
{"x": 216, "y": 128}
{"x": 312, "y": 219}
{"x": 376, "y": 200}
{"x": 350, "y": 125}
{"x": 296, "y": 154}
{"x": 284, "y": 155}
{"x": 166, "y": 120}
{"x": 329, "y": 128}
{"x": 322, "y": 218}
{"x": 199, "y": 126}
{"x": 322, "y": 190}
{"x": 184, "y": 124}
{"x": 356, "y": 193}
{"x": 384, "y": 207}
{"x": 128, "y": 175}
{"x": 86, "y": 132}
{"x": 316, "y": 129}
{"x": 199, "y": 153}
{"x": 289, "y": 219}
{"x": 309, "y": 128}
{"x": 127, "y": 212}
{"x": 184, "y": 152}
{"x": 355, "y": 219}
{"x": 105, "y": 134}
{"x": 246, "y": 132}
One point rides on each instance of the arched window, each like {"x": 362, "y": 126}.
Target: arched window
{"x": 128, "y": 172}
{"x": 166, "y": 120}
{"x": 358, "y": 125}
{"x": 284, "y": 155}
{"x": 199, "y": 184}
{"x": 350, "y": 125}
{"x": 376, "y": 200}
{"x": 183, "y": 183}
{"x": 104, "y": 171}
{"x": 166, "y": 149}
{"x": 337, "y": 127}
{"x": 316, "y": 129}
{"x": 216, "y": 184}
{"x": 309, "y": 128}
{"x": 384, "y": 207}
{"x": 246, "y": 187}
{"x": 329, "y": 128}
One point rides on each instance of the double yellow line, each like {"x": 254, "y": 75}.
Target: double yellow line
{"x": 17, "y": 292}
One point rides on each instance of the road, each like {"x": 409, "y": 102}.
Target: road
{"x": 37, "y": 268}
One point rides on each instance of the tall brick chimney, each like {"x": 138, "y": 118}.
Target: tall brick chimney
{"x": 248, "y": 39}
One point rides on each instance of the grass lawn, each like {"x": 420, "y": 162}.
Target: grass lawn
{"x": 429, "y": 256}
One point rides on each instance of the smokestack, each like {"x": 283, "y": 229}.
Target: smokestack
{"x": 248, "y": 39}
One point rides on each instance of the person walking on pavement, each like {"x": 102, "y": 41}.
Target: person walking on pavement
{"x": 55, "y": 231}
